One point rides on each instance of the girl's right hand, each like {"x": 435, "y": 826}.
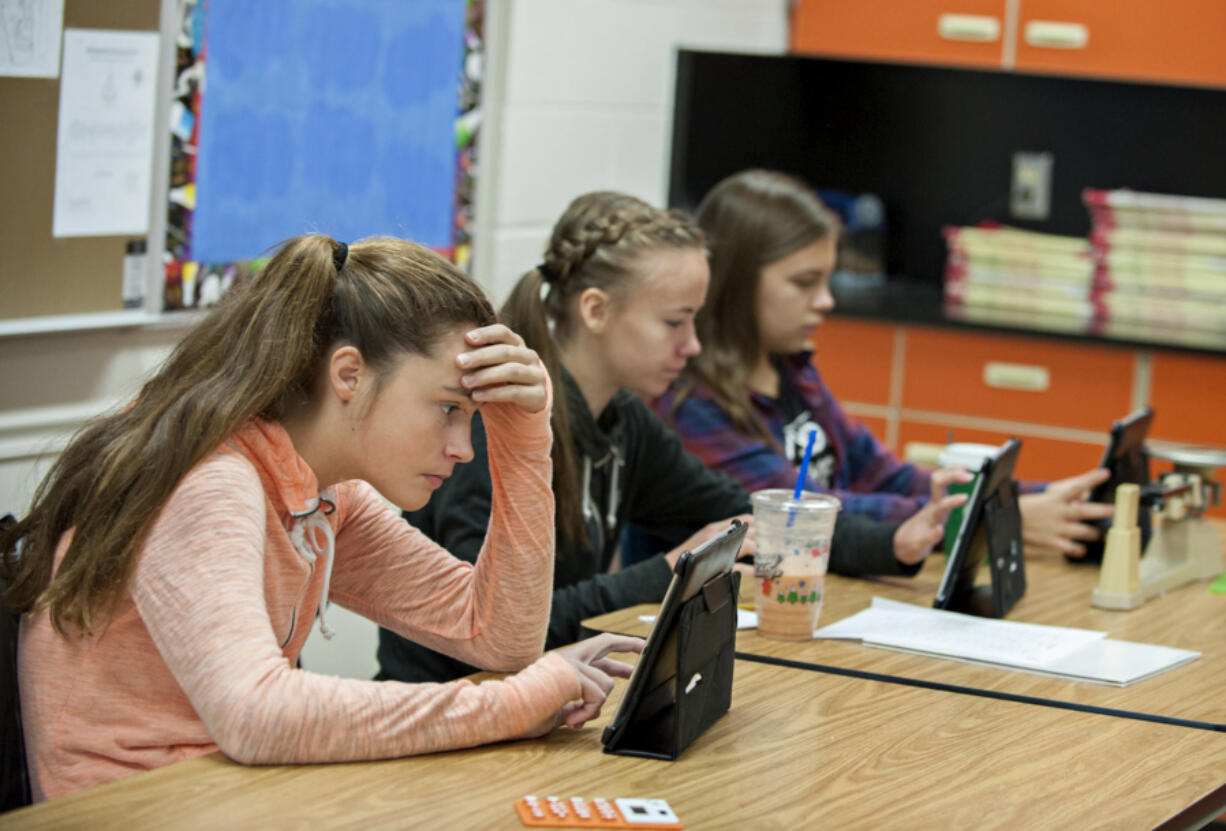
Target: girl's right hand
{"x": 916, "y": 537}
{"x": 596, "y": 673}
{"x": 499, "y": 368}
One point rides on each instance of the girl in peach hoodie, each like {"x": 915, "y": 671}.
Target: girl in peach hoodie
{"x": 179, "y": 551}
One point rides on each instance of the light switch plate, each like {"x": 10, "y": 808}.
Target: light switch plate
{"x": 1030, "y": 193}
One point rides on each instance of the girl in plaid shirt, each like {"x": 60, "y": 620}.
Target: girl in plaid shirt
{"x": 746, "y": 404}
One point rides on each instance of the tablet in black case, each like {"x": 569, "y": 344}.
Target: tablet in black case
{"x": 683, "y": 680}
{"x": 992, "y": 529}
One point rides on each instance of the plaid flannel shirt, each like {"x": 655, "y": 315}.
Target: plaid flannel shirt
{"x": 867, "y": 478}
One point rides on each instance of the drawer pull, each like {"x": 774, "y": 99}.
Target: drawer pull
{"x": 1050, "y": 34}
{"x": 1026, "y": 377}
{"x": 976, "y": 28}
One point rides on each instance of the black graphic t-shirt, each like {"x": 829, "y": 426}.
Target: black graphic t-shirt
{"x": 797, "y": 423}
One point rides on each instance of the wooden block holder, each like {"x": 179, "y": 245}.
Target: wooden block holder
{"x": 1183, "y": 548}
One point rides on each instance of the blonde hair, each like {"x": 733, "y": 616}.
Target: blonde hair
{"x": 596, "y": 243}
{"x": 256, "y": 356}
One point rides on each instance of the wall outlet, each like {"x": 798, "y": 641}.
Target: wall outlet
{"x": 1030, "y": 194}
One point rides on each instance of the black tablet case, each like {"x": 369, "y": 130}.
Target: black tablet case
{"x": 698, "y": 689}
{"x": 1000, "y": 531}
{"x": 1005, "y": 562}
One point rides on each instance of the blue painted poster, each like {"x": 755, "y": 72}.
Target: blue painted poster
{"x": 335, "y": 117}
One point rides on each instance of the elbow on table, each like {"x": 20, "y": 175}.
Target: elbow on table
{"x": 242, "y": 749}
{"x": 246, "y": 737}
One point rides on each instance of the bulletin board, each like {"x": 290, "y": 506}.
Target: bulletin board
{"x": 301, "y": 116}
{"x": 347, "y": 117}
{"x": 40, "y": 274}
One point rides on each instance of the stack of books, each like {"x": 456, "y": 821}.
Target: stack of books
{"x": 1159, "y": 259}
{"x": 998, "y": 268}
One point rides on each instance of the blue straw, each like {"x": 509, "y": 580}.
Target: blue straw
{"x": 803, "y": 475}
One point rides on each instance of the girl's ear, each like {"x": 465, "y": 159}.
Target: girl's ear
{"x": 347, "y": 373}
{"x": 595, "y": 309}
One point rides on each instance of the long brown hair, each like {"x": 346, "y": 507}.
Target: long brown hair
{"x": 595, "y": 244}
{"x": 752, "y": 218}
{"x": 256, "y": 356}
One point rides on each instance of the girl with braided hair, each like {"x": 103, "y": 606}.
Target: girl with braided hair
{"x": 179, "y": 550}
{"x": 611, "y": 311}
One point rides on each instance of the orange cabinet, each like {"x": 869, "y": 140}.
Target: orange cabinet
{"x": 1180, "y": 41}
{"x": 1177, "y": 41}
{"x": 1042, "y": 459}
{"x": 1017, "y": 379}
{"x": 916, "y": 387}
{"x": 1188, "y": 394}
{"x": 854, "y": 358}
{"x": 954, "y": 32}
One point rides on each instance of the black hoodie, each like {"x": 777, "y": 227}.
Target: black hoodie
{"x": 632, "y": 469}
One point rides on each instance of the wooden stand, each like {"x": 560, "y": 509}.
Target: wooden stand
{"x": 1183, "y": 548}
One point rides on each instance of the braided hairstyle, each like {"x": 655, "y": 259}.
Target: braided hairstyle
{"x": 597, "y": 243}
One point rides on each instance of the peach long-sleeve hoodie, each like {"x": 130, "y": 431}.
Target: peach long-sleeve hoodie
{"x": 201, "y": 652}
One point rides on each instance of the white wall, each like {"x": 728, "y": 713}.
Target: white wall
{"x": 578, "y": 97}
{"x": 586, "y": 104}
{"x": 51, "y": 383}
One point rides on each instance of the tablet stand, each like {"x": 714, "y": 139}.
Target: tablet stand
{"x": 698, "y": 689}
{"x": 1002, "y": 534}
{"x": 1183, "y": 547}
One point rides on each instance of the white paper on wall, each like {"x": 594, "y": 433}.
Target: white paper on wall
{"x": 30, "y": 37}
{"x": 104, "y": 144}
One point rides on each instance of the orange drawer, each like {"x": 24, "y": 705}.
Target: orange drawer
{"x": 1179, "y": 41}
{"x": 854, "y": 358}
{"x": 1032, "y": 380}
{"x": 1041, "y": 459}
{"x": 892, "y": 30}
{"x": 1188, "y": 394}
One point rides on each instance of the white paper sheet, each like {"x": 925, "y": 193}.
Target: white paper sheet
{"x": 104, "y": 148}
{"x": 30, "y": 37}
{"x": 1080, "y": 654}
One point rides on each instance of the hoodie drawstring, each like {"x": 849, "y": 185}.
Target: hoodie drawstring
{"x": 302, "y": 534}
{"x": 615, "y": 493}
{"x": 613, "y": 498}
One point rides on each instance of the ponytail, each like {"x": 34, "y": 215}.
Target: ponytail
{"x": 524, "y": 311}
{"x": 256, "y": 356}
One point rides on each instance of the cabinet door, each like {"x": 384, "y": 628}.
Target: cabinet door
{"x": 1017, "y": 379}
{"x": 951, "y": 32}
{"x": 855, "y": 358}
{"x": 1188, "y": 394}
{"x": 1042, "y": 459}
{"x": 1182, "y": 41}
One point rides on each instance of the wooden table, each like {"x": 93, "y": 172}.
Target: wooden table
{"x": 1058, "y": 594}
{"x": 797, "y": 749}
